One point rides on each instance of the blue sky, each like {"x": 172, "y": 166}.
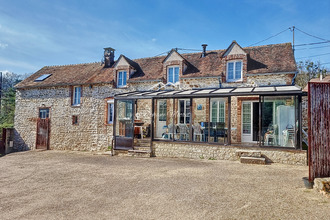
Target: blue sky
{"x": 37, "y": 33}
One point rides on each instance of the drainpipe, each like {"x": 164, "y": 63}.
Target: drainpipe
{"x": 294, "y": 78}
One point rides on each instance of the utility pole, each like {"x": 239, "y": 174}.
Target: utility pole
{"x": 292, "y": 29}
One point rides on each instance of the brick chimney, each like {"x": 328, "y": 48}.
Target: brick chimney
{"x": 109, "y": 56}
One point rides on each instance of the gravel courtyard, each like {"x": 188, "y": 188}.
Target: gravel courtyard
{"x": 73, "y": 185}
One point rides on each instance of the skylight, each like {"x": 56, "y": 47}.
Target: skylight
{"x": 42, "y": 77}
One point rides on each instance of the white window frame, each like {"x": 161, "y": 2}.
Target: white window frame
{"x": 76, "y": 95}
{"x": 234, "y": 70}
{"x": 218, "y": 101}
{"x": 44, "y": 113}
{"x": 185, "y": 108}
{"x": 110, "y": 111}
{"x": 168, "y": 74}
{"x": 123, "y": 78}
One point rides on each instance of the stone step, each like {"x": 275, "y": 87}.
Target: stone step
{"x": 253, "y": 160}
{"x": 146, "y": 148}
{"x": 139, "y": 153}
{"x": 120, "y": 152}
{"x": 141, "y": 145}
{"x": 248, "y": 153}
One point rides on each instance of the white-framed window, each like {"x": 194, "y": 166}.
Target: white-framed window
{"x": 218, "y": 110}
{"x": 121, "y": 82}
{"x": 173, "y": 74}
{"x": 234, "y": 71}
{"x": 110, "y": 112}
{"x": 43, "y": 113}
{"x": 76, "y": 95}
{"x": 184, "y": 111}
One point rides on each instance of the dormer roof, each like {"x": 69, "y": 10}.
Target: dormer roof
{"x": 173, "y": 55}
{"x": 234, "y": 49}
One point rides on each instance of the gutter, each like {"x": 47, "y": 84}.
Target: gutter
{"x": 60, "y": 84}
{"x": 264, "y": 74}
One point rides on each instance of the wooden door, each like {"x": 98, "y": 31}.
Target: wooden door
{"x": 42, "y": 133}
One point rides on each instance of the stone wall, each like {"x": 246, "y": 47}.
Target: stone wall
{"x": 204, "y": 151}
{"x": 322, "y": 185}
{"x": 89, "y": 134}
{"x": 304, "y": 114}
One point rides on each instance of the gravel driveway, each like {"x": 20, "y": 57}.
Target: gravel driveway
{"x": 72, "y": 185}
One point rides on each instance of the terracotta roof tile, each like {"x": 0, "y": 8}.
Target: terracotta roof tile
{"x": 261, "y": 59}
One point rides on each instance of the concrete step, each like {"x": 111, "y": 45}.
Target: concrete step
{"x": 253, "y": 160}
{"x": 139, "y": 153}
{"x": 248, "y": 153}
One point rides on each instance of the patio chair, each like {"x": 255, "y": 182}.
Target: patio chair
{"x": 183, "y": 132}
{"x": 220, "y": 131}
{"x": 198, "y": 132}
{"x": 169, "y": 132}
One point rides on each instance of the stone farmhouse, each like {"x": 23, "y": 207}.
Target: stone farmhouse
{"x": 219, "y": 104}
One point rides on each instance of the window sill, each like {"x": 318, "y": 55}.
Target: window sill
{"x": 235, "y": 81}
{"x": 76, "y": 106}
{"x": 108, "y": 124}
{"x": 122, "y": 87}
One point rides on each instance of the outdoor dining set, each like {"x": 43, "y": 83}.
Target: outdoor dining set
{"x": 202, "y": 132}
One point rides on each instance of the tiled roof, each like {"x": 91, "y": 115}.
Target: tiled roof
{"x": 275, "y": 58}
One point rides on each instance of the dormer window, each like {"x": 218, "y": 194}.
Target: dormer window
{"x": 234, "y": 71}
{"x": 121, "y": 78}
{"x": 173, "y": 74}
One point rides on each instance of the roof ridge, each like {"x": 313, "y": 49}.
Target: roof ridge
{"x": 268, "y": 45}
{"x": 77, "y": 64}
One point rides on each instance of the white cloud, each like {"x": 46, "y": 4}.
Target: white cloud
{"x": 3, "y": 46}
{"x": 18, "y": 64}
{"x": 153, "y": 39}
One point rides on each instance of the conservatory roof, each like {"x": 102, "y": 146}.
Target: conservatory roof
{"x": 215, "y": 92}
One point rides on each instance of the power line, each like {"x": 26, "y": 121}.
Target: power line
{"x": 270, "y": 37}
{"x": 323, "y": 42}
{"x": 313, "y": 47}
{"x": 190, "y": 49}
{"x": 314, "y": 55}
{"x": 163, "y": 53}
{"x": 313, "y": 35}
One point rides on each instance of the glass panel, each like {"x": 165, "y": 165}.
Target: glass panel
{"x": 110, "y": 113}
{"x": 120, "y": 79}
{"x": 231, "y": 71}
{"x": 182, "y": 119}
{"x": 124, "y": 118}
{"x": 124, "y": 78}
{"x": 176, "y": 79}
{"x": 238, "y": 68}
{"x": 44, "y": 113}
{"x": 246, "y": 118}
{"x": 170, "y": 74}
{"x": 279, "y": 121}
{"x": 76, "y": 98}
{"x": 218, "y": 125}
{"x": 200, "y": 118}
{"x": 163, "y": 121}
